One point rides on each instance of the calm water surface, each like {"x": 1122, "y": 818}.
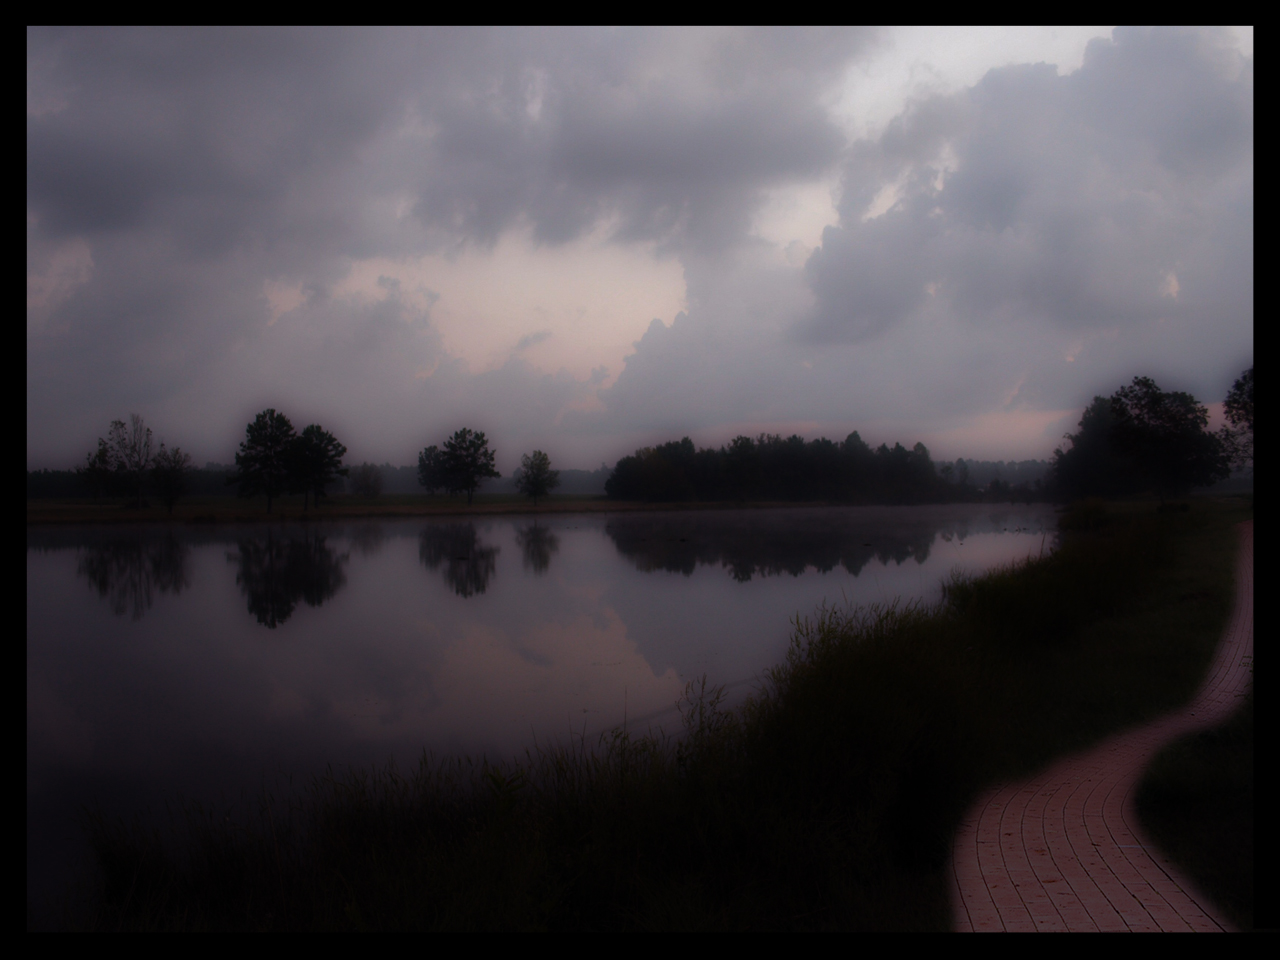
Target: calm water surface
{"x": 205, "y": 662}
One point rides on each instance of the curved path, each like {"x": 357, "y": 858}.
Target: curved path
{"x": 1064, "y": 850}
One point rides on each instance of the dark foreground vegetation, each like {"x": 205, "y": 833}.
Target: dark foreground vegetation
{"x": 1196, "y": 802}
{"x": 826, "y": 801}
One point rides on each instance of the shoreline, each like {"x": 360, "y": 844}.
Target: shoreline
{"x": 219, "y": 511}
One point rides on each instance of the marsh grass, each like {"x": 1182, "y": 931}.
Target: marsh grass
{"x": 826, "y": 801}
{"x": 1196, "y": 802}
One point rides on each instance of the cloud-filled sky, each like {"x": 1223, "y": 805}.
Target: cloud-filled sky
{"x": 586, "y": 241}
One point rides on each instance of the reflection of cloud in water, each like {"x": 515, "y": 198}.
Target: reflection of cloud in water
{"x": 367, "y": 538}
{"x": 549, "y": 679}
{"x": 980, "y": 552}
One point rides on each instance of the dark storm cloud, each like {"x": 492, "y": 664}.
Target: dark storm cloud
{"x": 670, "y": 133}
{"x": 222, "y": 134}
{"x": 177, "y": 171}
{"x": 1049, "y": 236}
{"x": 1065, "y": 198}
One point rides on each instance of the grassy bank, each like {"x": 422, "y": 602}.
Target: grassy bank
{"x": 827, "y": 801}
{"x": 1196, "y": 803}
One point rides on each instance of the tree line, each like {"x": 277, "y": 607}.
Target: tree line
{"x": 274, "y": 459}
{"x": 1140, "y": 440}
{"x": 771, "y": 467}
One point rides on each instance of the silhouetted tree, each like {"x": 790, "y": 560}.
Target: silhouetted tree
{"x": 741, "y": 468}
{"x": 535, "y": 478}
{"x": 1092, "y": 465}
{"x": 432, "y": 473}
{"x": 264, "y": 459}
{"x": 659, "y": 473}
{"x": 1239, "y": 412}
{"x": 1165, "y": 433}
{"x": 468, "y": 462}
{"x": 858, "y": 468}
{"x": 100, "y": 471}
{"x": 366, "y": 480}
{"x": 131, "y": 447}
{"x": 316, "y": 462}
{"x": 170, "y": 473}
{"x": 1141, "y": 438}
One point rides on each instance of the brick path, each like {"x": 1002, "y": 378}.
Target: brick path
{"x": 1064, "y": 850}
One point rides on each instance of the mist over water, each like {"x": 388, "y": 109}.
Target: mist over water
{"x": 208, "y": 662}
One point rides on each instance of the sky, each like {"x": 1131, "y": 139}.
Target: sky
{"x": 587, "y": 241}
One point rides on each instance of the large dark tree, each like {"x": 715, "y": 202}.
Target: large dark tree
{"x": 366, "y": 480}
{"x": 535, "y": 478}
{"x": 1141, "y": 439}
{"x": 131, "y": 448}
{"x": 99, "y": 473}
{"x": 468, "y": 462}
{"x": 432, "y": 472}
{"x": 1239, "y": 412}
{"x": 316, "y": 462}
{"x": 741, "y": 469}
{"x": 169, "y": 472}
{"x": 1091, "y": 466}
{"x": 1167, "y": 435}
{"x": 265, "y": 457}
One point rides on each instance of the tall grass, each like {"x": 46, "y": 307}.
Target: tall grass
{"x": 1196, "y": 802}
{"x": 826, "y": 801}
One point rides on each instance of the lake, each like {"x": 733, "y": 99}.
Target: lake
{"x": 206, "y": 662}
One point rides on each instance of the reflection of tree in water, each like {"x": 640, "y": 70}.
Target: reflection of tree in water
{"x": 276, "y": 572}
{"x": 128, "y": 572}
{"x": 368, "y": 538}
{"x": 765, "y": 548}
{"x": 537, "y": 544}
{"x": 769, "y": 544}
{"x": 468, "y": 564}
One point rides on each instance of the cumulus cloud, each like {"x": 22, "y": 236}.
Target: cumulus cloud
{"x": 1071, "y": 198}
{"x": 173, "y": 175}
{"x": 208, "y": 211}
{"x": 1002, "y": 254}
